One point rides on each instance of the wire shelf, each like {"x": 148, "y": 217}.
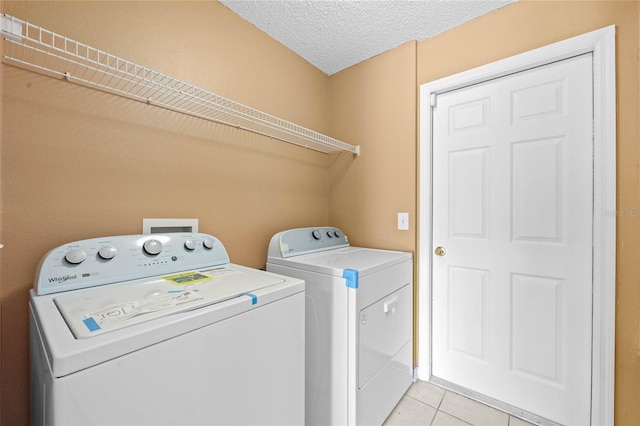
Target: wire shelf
{"x": 40, "y": 50}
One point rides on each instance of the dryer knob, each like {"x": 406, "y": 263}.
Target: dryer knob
{"x": 152, "y": 247}
{"x": 75, "y": 256}
{"x": 316, "y": 234}
{"x": 337, "y": 234}
{"x": 190, "y": 245}
{"x": 107, "y": 252}
{"x": 207, "y": 243}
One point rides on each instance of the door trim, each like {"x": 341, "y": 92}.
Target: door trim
{"x": 601, "y": 43}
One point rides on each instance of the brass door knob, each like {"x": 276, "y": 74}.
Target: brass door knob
{"x": 440, "y": 251}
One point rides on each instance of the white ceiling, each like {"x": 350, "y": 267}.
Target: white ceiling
{"x": 336, "y": 34}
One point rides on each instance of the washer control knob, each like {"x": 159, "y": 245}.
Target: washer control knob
{"x": 208, "y": 243}
{"x": 75, "y": 256}
{"x": 107, "y": 252}
{"x": 329, "y": 234}
{"x": 190, "y": 245}
{"x": 152, "y": 247}
{"x": 336, "y": 233}
{"x": 316, "y": 234}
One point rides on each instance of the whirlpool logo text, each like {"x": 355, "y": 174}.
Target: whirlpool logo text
{"x": 63, "y": 278}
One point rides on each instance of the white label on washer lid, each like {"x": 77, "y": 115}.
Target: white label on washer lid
{"x": 187, "y": 278}
{"x": 108, "y": 318}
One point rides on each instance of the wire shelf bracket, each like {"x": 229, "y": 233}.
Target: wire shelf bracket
{"x": 43, "y": 51}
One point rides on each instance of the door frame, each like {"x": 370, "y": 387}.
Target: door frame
{"x": 601, "y": 43}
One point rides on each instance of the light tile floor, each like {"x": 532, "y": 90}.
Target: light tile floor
{"x": 426, "y": 404}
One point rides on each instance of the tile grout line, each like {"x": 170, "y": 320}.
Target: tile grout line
{"x": 438, "y": 408}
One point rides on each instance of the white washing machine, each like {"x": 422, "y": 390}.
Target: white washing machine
{"x": 359, "y": 344}
{"x": 163, "y": 330}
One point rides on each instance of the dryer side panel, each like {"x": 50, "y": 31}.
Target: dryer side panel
{"x": 327, "y": 315}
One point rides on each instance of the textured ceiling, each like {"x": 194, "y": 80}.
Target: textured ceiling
{"x": 335, "y": 34}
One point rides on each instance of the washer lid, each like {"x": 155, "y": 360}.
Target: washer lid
{"x": 247, "y": 289}
{"x": 334, "y": 262}
{"x": 93, "y": 311}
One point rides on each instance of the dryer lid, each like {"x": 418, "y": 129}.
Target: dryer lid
{"x": 334, "y": 262}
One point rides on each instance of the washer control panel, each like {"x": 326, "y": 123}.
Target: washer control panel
{"x": 295, "y": 242}
{"x": 99, "y": 261}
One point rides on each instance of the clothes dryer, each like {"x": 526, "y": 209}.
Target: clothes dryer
{"x": 163, "y": 330}
{"x": 359, "y": 344}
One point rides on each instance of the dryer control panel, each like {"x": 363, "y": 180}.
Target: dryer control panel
{"x": 107, "y": 260}
{"x": 295, "y": 242}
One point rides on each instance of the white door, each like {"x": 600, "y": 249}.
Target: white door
{"x": 513, "y": 212}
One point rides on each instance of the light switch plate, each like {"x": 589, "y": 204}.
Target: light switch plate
{"x": 403, "y": 221}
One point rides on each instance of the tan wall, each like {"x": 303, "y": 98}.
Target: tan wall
{"x": 527, "y": 25}
{"x": 373, "y": 104}
{"x": 75, "y": 162}
{"x": 78, "y": 163}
